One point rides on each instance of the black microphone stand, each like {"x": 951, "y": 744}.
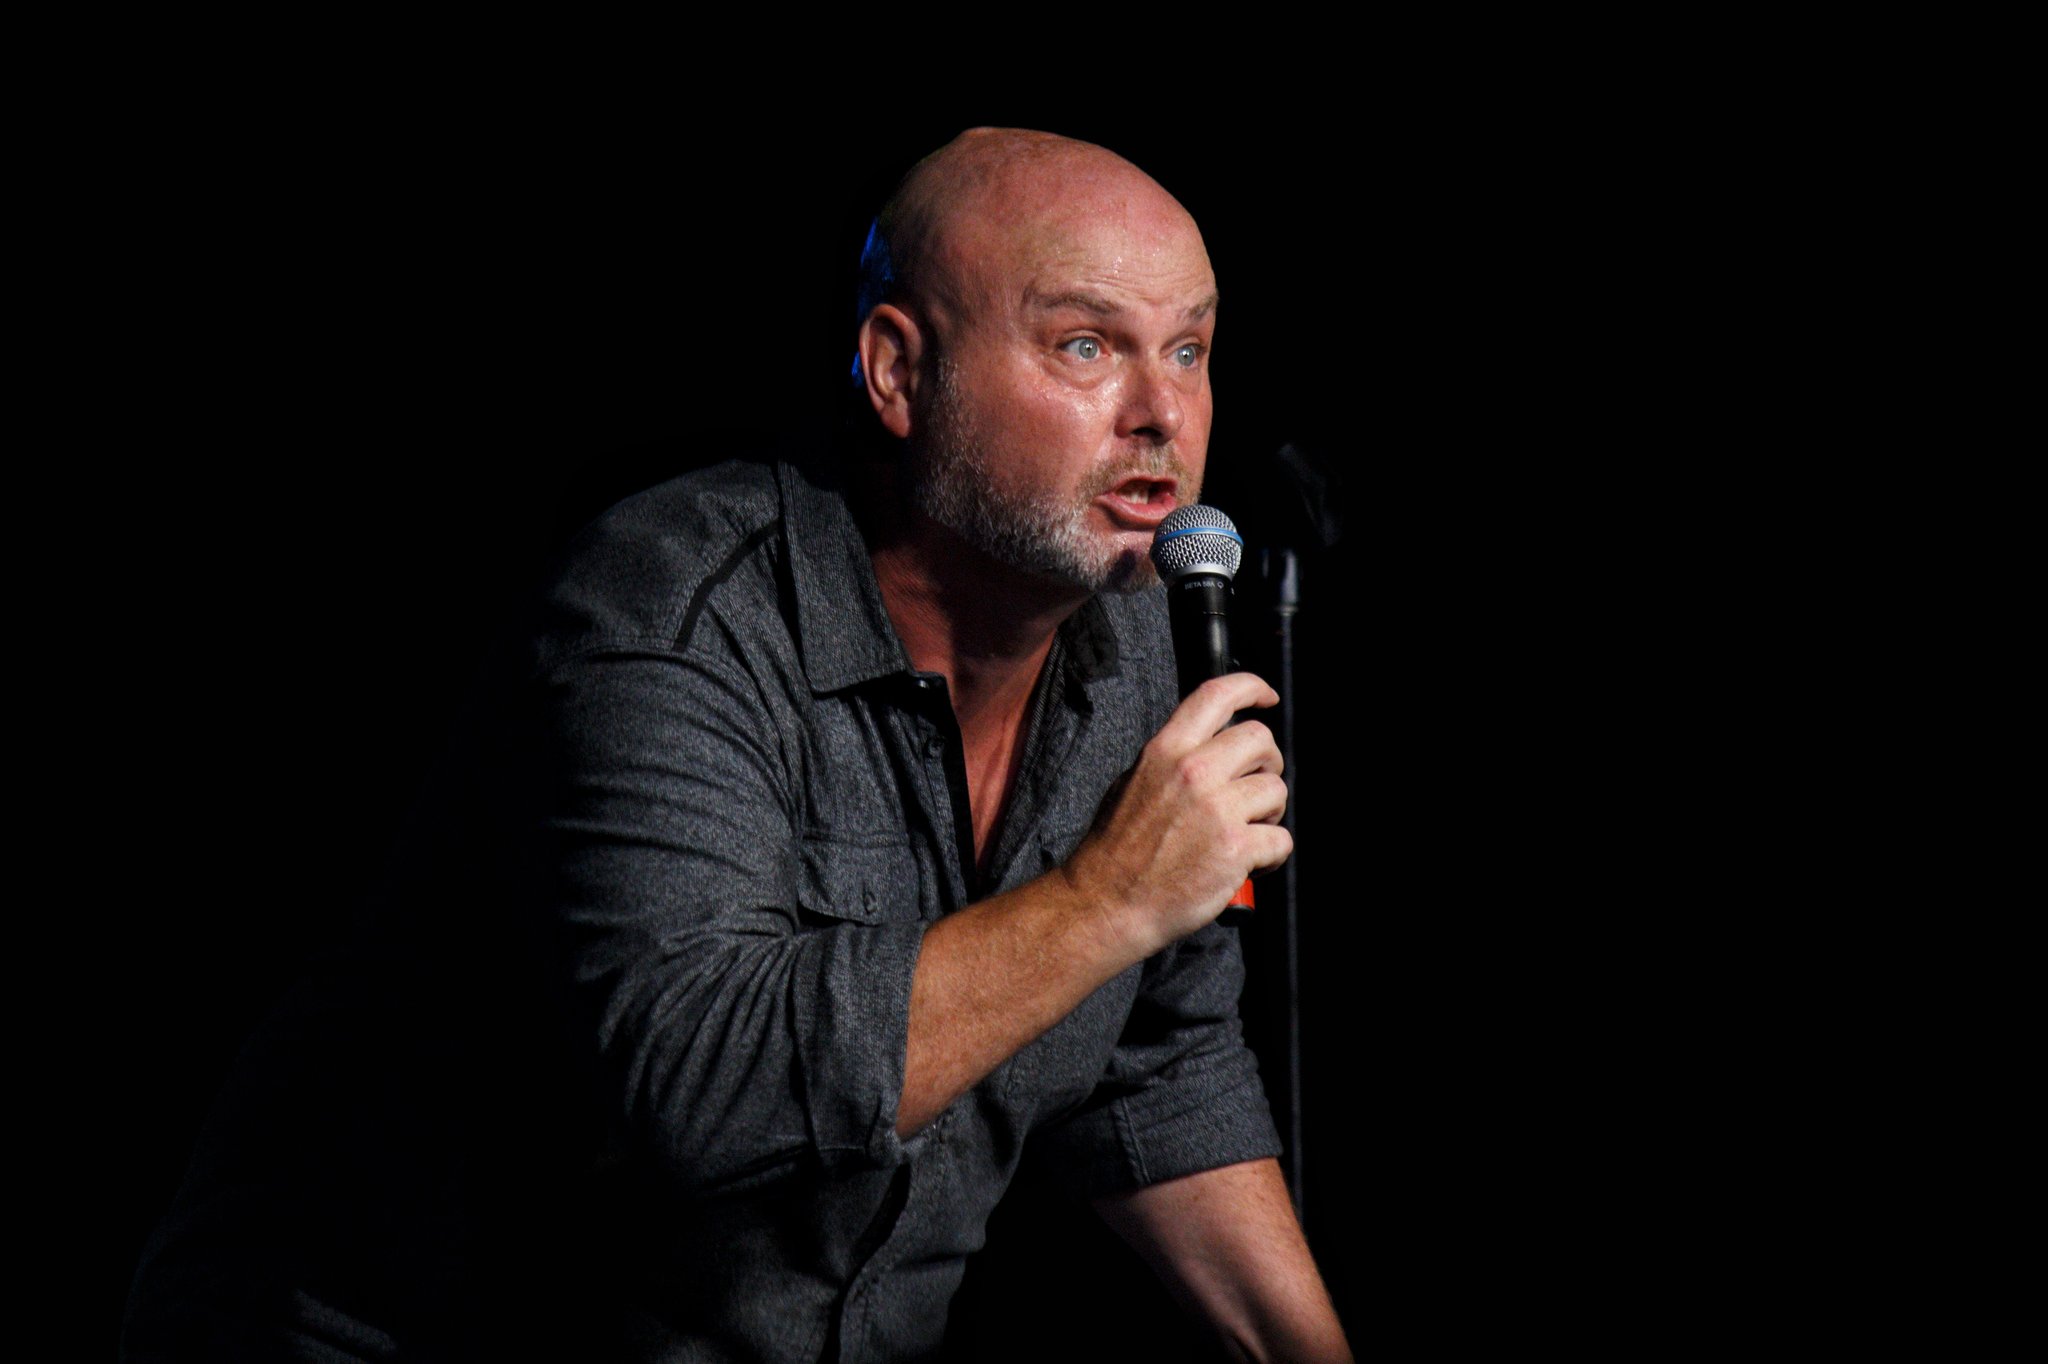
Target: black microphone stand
{"x": 1281, "y": 569}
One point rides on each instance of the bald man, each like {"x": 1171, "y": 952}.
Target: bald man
{"x": 838, "y": 838}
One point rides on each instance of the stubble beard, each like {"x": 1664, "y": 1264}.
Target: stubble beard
{"x": 1045, "y": 535}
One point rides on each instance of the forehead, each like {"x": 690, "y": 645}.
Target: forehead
{"x": 1153, "y": 259}
{"x": 1118, "y": 236}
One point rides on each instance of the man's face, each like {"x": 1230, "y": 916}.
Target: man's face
{"x": 1069, "y": 406}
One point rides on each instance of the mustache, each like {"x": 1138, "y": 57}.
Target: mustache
{"x": 1160, "y": 461}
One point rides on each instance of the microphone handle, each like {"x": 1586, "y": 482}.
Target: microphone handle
{"x": 1198, "y": 610}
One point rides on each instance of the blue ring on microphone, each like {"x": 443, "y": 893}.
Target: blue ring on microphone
{"x": 1199, "y": 530}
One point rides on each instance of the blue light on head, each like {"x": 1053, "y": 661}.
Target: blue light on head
{"x": 877, "y": 276}
{"x": 876, "y": 271}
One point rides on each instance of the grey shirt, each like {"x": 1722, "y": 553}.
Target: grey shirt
{"x": 726, "y": 808}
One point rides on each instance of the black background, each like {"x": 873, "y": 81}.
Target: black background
{"x": 378, "y": 355}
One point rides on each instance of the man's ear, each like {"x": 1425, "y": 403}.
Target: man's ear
{"x": 892, "y": 349}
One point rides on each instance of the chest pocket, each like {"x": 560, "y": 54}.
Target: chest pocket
{"x": 840, "y": 881}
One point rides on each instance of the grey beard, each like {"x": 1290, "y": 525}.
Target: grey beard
{"x": 950, "y": 483}
{"x": 1033, "y": 537}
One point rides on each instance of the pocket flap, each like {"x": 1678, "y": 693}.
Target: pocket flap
{"x": 858, "y": 882}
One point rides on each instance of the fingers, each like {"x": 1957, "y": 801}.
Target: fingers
{"x": 1208, "y": 708}
{"x": 1199, "y": 811}
{"x": 1254, "y": 846}
{"x": 1271, "y": 846}
{"x": 1260, "y": 798}
{"x": 1243, "y": 749}
{"x": 1244, "y": 769}
{"x": 1242, "y": 762}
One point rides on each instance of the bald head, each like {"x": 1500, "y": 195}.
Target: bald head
{"x": 968, "y": 216}
{"x": 1042, "y": 353}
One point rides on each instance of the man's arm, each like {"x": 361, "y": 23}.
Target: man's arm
{"x": 665, "y": 866}
{"x": 1227, "y": 1244}
{"x": 1200, "y": 811}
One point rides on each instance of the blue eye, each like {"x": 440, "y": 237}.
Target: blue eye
{"x": 1083, "y": 348}
{"x": 1188, "y": 356}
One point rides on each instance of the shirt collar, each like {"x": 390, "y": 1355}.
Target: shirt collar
{"x": 843, "y": 628}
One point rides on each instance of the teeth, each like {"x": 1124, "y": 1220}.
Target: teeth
{"x": 1142, "y": 493}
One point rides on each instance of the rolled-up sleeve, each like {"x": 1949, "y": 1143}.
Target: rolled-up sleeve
{"x": 1181, "y": 1093}
{"x": 734, "y": 1037}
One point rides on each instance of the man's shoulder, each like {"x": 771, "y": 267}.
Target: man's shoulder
{"x": 637, "y": 576}
{"x": 685, "y": 526}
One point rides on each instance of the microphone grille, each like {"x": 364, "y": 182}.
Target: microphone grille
{"x": 1196, "y": 539}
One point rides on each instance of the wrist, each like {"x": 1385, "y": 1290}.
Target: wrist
{"x": 1113, "y": 928}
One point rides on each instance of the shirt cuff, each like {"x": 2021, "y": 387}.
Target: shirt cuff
{"x": 855, "y": 1023}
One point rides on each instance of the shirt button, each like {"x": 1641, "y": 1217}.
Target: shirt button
{"x": 934, "y": 747}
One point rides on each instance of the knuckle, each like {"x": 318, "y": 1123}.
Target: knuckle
{"x": 1227, "y": 687}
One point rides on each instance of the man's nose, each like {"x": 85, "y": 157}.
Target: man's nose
{"x": 1153, "y": 406}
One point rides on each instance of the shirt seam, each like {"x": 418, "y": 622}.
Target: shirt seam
{"x": 1127, "y": 1134}
{"x": 716, "y": 579}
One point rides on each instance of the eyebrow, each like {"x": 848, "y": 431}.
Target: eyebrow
{"x": 1102, "y": 307}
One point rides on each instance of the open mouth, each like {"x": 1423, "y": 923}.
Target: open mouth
{"x": 1142, "y": 501}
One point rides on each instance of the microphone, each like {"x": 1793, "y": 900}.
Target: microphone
{"x": 1197, "y": 552}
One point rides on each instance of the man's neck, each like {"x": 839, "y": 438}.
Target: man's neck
{"x": 982, "y": 625}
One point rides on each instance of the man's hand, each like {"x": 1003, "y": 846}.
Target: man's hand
{"x": 1170, "y": 847}
{"x": 1199, "y": 812}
